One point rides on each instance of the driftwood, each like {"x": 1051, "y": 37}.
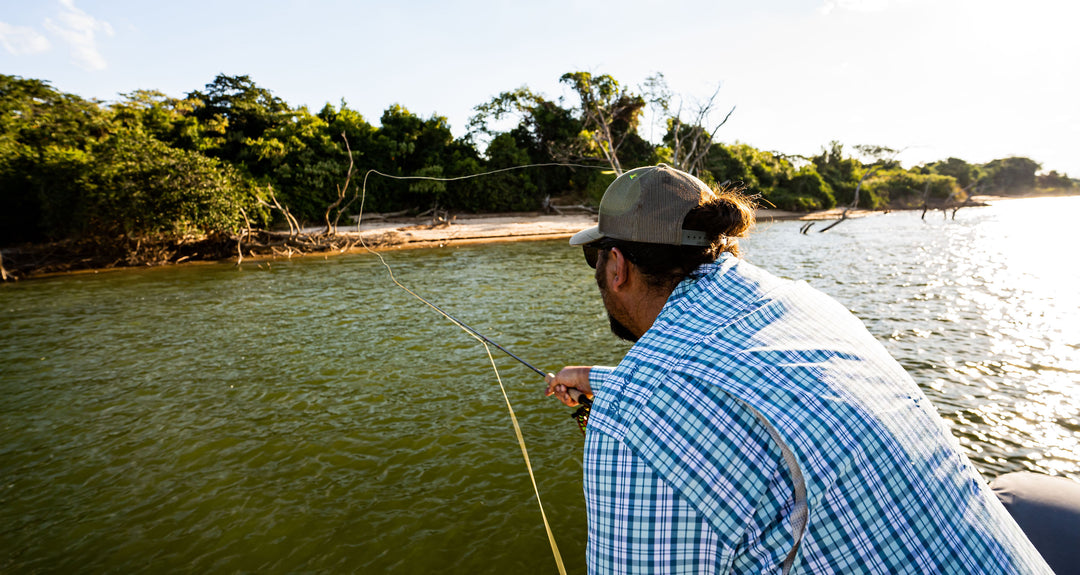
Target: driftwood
{"x": 575, "y": 208}
{"x": 550, "y": 206}
{"x": 855, "y": 201}
{"x": 950, "y": 203}
{"x": 925, "y": 200}
{"x": 383, "y": 217}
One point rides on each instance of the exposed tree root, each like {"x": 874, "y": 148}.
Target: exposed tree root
{"x": 105, "y": 253}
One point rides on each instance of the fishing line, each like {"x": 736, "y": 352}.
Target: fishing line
{"x": 473, "y": 333}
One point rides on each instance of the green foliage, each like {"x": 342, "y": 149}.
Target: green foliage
{"x": 1054, "y": 182}
{"x": 169, "y": 120}
{"x": 901, "y": 188}
{"x": 610, "y": 115}
{"x": 34, "y": 115}
{"x": 842, "y": 174}
{"x": 41, "y": 193}
{"x": 1009, "y": 176}
{"x": 142, "y": 187}
{"x": 234, "y": 113}
{"x": 545, "y": 130}
{"x": 805, "y": 191}
{"x": 45, "y": 138}
{"x": 728, "y": 163}
{"x": 761, "y": 172}
{"x": 306, "y": 158}
{"x": 964, "y": 173}
{"x": 593, "y": 183}
{"x": 153, "y": 165}
{"x": 505, "y": 191}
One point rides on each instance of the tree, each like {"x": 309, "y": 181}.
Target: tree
{"x": 609, "y": 115}
{"x": 688, "y": 143}
{"x": 760, "y": 171}
{"x": 412, "y": 146}
{"x": 1009, "y": 176}
{"x": 545, "y": 130}
{"x": 1055, "y": 182}
{"x": 899, "y": 188}
{"x": 46, "y": 138}
{"x": 964, "y": 173}
{"x": 233, "y": 114}
{"x": 140, "y": 187}
{"x": 170, "y": 120}
{"x": 805, "y": 191}
{"x": 845, "y": 175}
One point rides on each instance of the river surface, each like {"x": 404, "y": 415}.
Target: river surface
{"x": 308, "y": 416}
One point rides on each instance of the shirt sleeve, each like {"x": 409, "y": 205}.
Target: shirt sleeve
{"x": 597, "y": 375}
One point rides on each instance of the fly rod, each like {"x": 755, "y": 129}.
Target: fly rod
{"x": 582, "y": 413}
{"x": 485, "y": 338}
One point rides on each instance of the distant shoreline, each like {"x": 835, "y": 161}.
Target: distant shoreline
{"x": 376, "y": 233}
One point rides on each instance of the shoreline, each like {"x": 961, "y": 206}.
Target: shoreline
{"x": 383, "y": 234}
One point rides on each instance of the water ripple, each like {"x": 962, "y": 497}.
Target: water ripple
{"x": 307, "y": 417}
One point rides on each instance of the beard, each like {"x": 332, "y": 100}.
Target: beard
{"x": 617, "y": 327}
{"x": 621, "y": 331}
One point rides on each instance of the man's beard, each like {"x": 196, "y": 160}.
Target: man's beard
{"x": 620, "y": 330}
{"x": 617, "y": 327}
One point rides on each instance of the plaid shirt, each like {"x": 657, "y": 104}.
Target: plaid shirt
{"x": 683, "y": 474}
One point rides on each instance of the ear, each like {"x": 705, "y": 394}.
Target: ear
{"x": 618, "y": 269}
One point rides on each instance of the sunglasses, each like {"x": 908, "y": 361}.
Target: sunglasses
{"x": 592, "y": 251}
{"x": 592, "y": 254}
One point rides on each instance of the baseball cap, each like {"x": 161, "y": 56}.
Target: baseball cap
{"x": 649, "y": 205}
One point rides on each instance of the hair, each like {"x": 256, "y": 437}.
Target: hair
{"x": 730, "y": 215}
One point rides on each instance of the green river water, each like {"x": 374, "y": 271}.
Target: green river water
{"x": 308, "y": 416}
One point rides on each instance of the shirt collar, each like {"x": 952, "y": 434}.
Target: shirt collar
{"x": 706, "y": 278}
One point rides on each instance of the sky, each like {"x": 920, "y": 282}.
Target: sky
{"x": 973, "y": 79}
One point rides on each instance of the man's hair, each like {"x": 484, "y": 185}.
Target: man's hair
{"x": 730, "y": 215}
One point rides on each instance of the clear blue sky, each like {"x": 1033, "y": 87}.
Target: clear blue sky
{"x": 976, "y": 79}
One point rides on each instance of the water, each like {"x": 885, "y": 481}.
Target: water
{"x": 307, "y": 416}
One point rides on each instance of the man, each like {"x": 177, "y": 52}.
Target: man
{"x": 756, "y": 426}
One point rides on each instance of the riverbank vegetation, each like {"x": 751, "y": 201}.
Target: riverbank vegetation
{"x": 142, "y": 177}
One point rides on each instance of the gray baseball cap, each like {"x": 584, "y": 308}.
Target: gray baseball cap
{"x": 649, "y": 205}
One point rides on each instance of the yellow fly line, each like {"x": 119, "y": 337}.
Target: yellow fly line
{"x": 466, "y": 329}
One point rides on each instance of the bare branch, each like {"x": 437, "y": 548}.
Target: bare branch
{"x": 691, "y": 145}
{"x": 294, "y": 226}
{"x": 331, "y": 228}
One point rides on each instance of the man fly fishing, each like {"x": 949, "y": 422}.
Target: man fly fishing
{"x": 755, "y": 426}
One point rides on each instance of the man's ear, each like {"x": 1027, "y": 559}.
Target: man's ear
{"x": 618, "y": 268}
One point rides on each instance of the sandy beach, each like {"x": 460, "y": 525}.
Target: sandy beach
{"x": 404, "y": 233}
{"x": 375, "y": 232}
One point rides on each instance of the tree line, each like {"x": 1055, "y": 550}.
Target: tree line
{"x": 232, "y": 155}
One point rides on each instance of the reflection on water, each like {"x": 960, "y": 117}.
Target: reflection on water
{"x": 307, "y": 416}
{"x": 983, "y": 311}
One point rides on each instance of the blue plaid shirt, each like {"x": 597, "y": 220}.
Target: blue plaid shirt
{"x": 685, "y": 470}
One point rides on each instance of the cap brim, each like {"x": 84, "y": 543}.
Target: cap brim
{"x": 586, "y": 236}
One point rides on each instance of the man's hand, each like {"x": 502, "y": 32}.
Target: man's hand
{"x": 575, "y": 377}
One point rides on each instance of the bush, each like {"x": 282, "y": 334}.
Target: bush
{"x": 805, "y": 191}
{"x": 142, "y": 187}
{"x": 903, "y": 189}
